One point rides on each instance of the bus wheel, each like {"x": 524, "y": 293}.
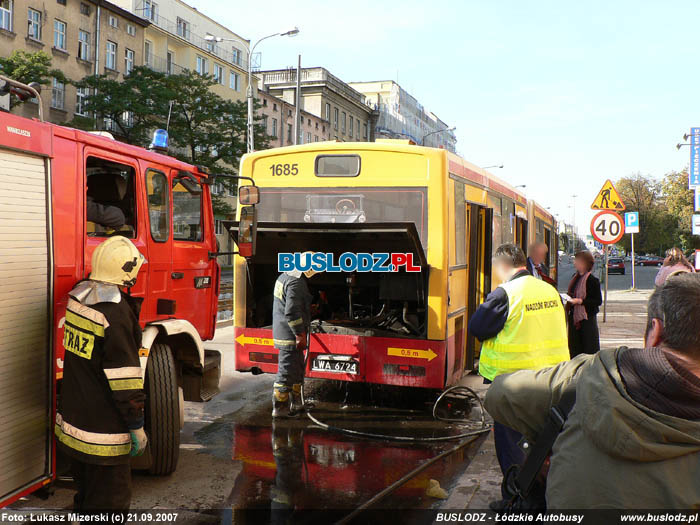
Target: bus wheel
{"x": 162, "y": 410}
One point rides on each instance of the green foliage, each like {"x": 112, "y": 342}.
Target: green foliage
{"x": 28, "y": 67}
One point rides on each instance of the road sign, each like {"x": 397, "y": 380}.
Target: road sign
{"x": 607, "y": 227}
{"x": 696, "y": 224}
{"x": 697, "y": 199}
{"x": 608, "y": 199}
{"x": 632, "y": 222}
{"x": 694, "y": 171}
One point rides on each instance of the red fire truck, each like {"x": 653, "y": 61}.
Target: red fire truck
{"x": 47, "y": 174}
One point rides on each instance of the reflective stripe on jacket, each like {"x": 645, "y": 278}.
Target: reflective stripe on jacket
{"x": 102, "y": 392}
{"x": 291, "y": 310}
{"x": 534, "y": 335}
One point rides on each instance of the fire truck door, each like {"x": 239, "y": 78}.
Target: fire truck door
{"x": 25, "y": 323}
{"x": 193, "y": 271}
{"x": 157, "y": 303}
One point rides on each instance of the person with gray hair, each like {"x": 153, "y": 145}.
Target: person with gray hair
{"x": 632, "y": 438}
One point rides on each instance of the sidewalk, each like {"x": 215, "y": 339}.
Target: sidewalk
{"x": 481, "y": 481}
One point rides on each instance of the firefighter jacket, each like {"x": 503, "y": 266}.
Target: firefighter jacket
{"x": 102, "y": 393}
{"x": 534, "y": 334}
{"x": 291, "y": 310}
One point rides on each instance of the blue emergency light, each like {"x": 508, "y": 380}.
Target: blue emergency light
{"x": 160, "y": 140}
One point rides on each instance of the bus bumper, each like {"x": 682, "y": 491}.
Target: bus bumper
{"x": 362, "y": 359}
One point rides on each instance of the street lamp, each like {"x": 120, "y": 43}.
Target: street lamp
{"x": 249, "y": 92}
{"x": 494, "y": 166}
{"x": 422, "y": 141}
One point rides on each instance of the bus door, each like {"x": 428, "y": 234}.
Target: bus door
{"x": 480, "y": 247}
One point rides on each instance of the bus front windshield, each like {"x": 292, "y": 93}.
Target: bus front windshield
{"x": 346, "y": 205}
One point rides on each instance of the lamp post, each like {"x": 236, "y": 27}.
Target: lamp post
{"x": 422, "y": 140}
{"x": 249, "y": 91}
{"x": 499, "y": 166}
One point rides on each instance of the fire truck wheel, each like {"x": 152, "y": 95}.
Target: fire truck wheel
{"x": 162, "y": 410}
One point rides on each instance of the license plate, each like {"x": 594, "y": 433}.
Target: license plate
{"x": 335, "y": 366}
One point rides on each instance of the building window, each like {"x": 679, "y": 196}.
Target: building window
{"x": 335, "y": 118}
{"x": 264, "y": 102}
{"x": 84, "y": 9}
{"x": 236, "y": 56}
{"x": 80, "y": 101}
{"x": 218, "y": 74}
{"x": 113, "y": 21}
{"x": 364, "y": 132}
{"x": 328, "y": 112}
{"x": 289, "y": 133}
{"x": 183, "y": 28}
{"x": 83, "y": 45}
{"x": 358, "y": 128}
{"x": 274, "y": 107}
{"x": 264, "y": 122}
{"x": 316, "y": 125}
{"x": 6, "y": 15}
{"x": 62, "y": 2}
{"x": 202, "y": 65}
{"x": 301, "y": 138}
{"x": 211, "y": 46}
{"x": 235, "y": 83}
{"x": 315, "y": 138}
{"x": 147, "y": 52}
{"x": 131, "y": 30}
{"x": 59, "y": 35}
{"x": 169, "y": 62}
{"x": 150, "y": 10}
{"x": 58, "y": 94}
{"x": 289, "y": 112}
{"x": 350, "y": 129}
{"x": 308, "y": 137}
{"x": 274, "y": 127}
{"x": 343, "y": 120}
{"x": 111, "y": 56}
{"x": 128, "y": 61}
{"x": 34, "y": 24}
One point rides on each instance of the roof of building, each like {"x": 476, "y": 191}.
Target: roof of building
{"x": 122, "y": 12}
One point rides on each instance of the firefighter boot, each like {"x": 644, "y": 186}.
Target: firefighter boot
{"x": 296, "y": 406}
{"x": 280, "y": 401}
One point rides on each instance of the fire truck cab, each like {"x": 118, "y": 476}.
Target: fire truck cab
{"x": 49, "y": 177}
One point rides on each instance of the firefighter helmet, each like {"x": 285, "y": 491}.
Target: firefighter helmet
{"x": 116, "y": 261}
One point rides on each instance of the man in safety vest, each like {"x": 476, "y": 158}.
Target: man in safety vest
{"x": 522, "y": 325}
{"x": 99, "y": 422}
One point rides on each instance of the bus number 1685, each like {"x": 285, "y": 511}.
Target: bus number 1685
{"x": 284, "y": 169}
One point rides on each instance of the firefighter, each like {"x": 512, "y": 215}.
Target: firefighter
{"x": 99, "y": 423}
{"x": 291, "y": 317}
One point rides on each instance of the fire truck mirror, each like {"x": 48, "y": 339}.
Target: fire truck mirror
{"x": 247, "y": 231}
{"x": 248, "y": 195}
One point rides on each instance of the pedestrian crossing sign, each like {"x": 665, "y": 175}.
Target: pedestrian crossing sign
{"x": 608, "y": 198}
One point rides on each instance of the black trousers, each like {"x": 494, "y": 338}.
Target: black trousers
{"x": 101, "y": 487}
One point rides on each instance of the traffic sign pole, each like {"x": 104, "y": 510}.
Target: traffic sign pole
{"x": 633, "y": 282}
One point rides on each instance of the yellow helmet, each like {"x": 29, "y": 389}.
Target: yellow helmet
{"x": 116, "y": 261}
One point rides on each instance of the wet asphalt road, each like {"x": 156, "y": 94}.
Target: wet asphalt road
{"x": 644, "y": 276}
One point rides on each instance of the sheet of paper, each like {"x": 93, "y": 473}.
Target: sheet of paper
{"x": 565, "y": 297}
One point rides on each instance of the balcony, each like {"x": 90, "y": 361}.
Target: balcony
{"x": 161, "y": 65}
{"x": 183, "y": 31}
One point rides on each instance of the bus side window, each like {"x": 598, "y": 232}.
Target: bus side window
{"x": 110, "y": 203}
{"x": 158, "y": 205}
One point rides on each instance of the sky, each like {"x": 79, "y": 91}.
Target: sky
{"x": 565, "y": 95}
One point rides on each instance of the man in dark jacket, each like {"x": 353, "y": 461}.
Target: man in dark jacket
{"x": 99, "y": 422}
{"x": 291, "y": 318}
{"x": 632, "y": 439}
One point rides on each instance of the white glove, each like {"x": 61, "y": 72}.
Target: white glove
{"x": 139, "y": 440}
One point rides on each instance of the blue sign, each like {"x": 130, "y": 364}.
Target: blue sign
{"x": 694, "y": 174}
{"x": 697, "y": 199}
{"x": 632, "y": 222}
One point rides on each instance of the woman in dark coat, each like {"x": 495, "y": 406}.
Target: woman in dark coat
{"x": 582, "y": 309}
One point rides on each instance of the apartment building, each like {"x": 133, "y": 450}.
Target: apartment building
{"x": 176, "y": 39}
{"x": 328, "y": 98}
{"x": 402, "y": 116}
{"x": 83, "y": 37}
{"x": 278, "y": 120}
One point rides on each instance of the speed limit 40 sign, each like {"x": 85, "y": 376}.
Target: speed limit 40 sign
{"x": 607, "y": 227}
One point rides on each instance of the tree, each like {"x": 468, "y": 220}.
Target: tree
{"x": 26, "y": 67}
{"x": 678, "y": 200}
{"x": 135, "y": 106}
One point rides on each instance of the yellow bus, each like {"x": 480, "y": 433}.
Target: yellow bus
{"x": 392, "y": 327}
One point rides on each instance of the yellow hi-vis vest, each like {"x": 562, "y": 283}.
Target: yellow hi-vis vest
{"x": 534, "y": 335}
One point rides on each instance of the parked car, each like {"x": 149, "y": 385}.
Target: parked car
{"x": 616, "y": 265}
{"x": 651, "y": 261}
